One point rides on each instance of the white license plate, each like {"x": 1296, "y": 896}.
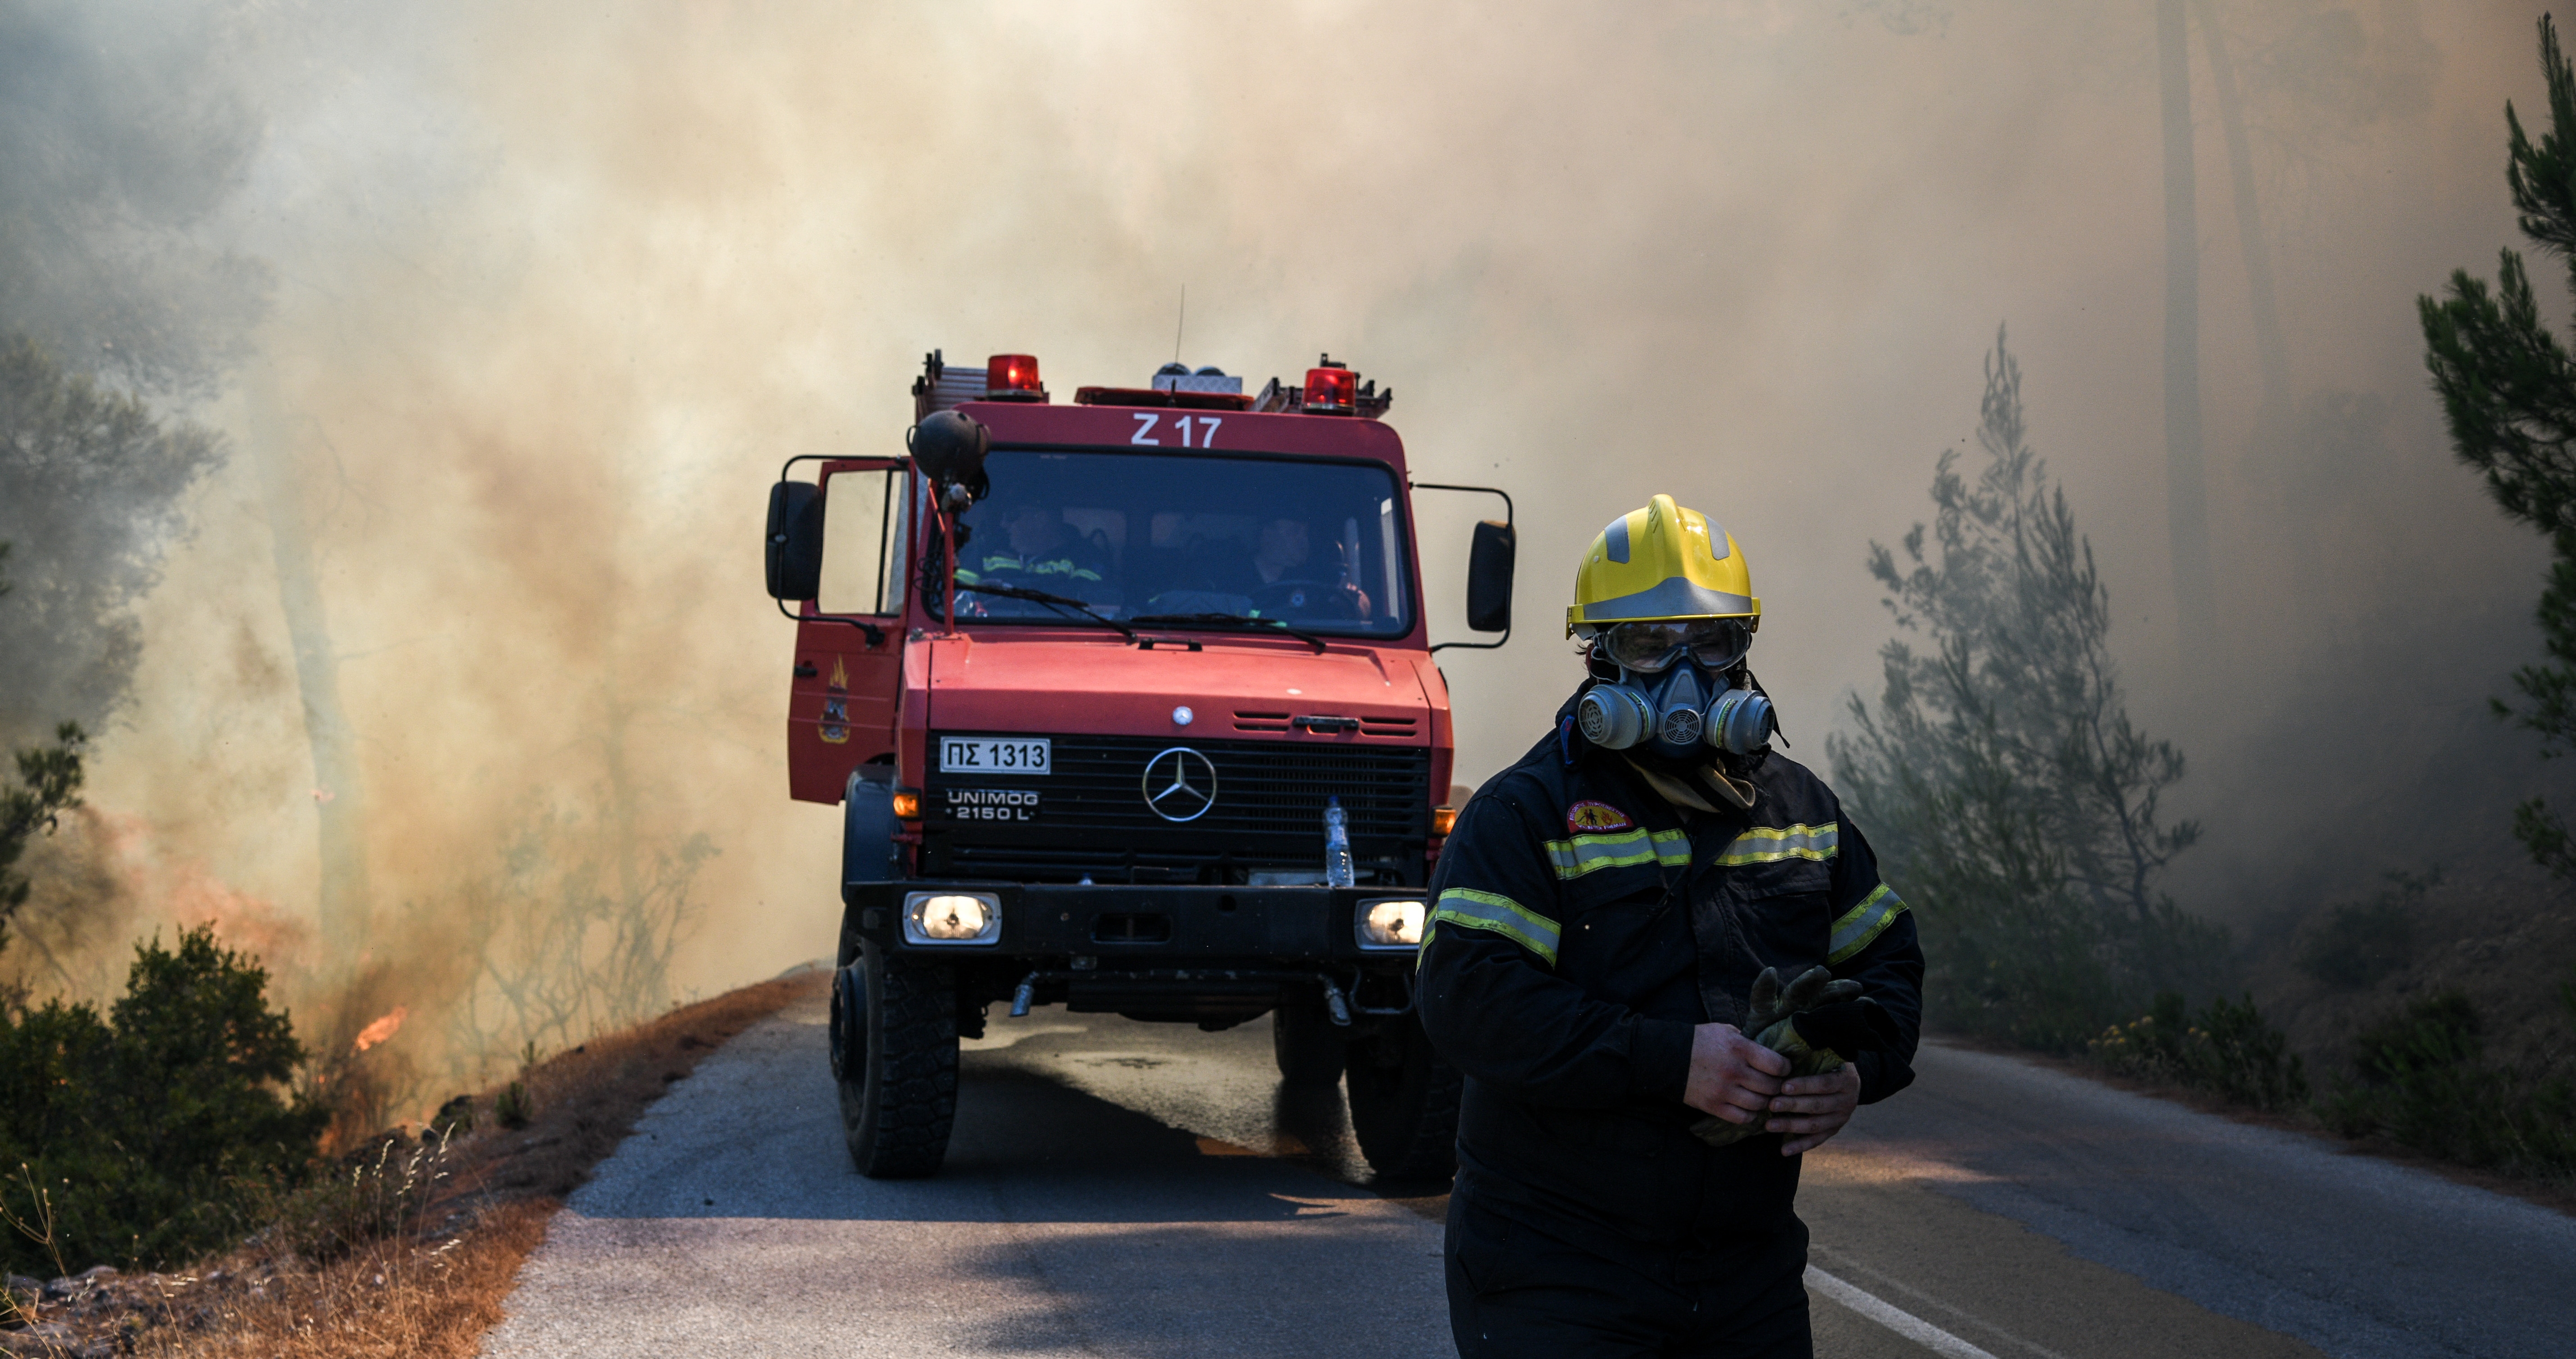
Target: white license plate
{"x": 993, "y": 755}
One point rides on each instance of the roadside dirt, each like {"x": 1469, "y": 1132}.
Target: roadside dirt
{"x": 2505, "y": 937}
{"x": 2554, "y": 1195}
{"x": 433, "y": 1289}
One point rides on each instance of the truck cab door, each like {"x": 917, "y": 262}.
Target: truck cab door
{"x": 849, "y": 638}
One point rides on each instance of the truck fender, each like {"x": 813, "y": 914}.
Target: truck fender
{"x": 869, "y": 851}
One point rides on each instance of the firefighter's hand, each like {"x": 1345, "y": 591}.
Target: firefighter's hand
{"x": 1731, "y": 1076}
{"x": 1810, "y": 1109}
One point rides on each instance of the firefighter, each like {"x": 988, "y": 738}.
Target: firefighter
{"x": 1038, "y": 548}
{"x": 1602, "y": 912}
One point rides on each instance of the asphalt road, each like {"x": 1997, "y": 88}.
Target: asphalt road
{"x": 1128, "y": 1189}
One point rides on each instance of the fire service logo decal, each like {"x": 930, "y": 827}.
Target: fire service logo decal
{"x": 1180, "y": 784}
{"x": 1585, "y": 817}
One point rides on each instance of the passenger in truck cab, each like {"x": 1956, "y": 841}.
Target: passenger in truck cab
{"x": 1038, "y": 549}
{"x": 1281, "y": 578}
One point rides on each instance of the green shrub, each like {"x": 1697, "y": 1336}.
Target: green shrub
{"x": 153, "y": 1135}
{"x": 2420, "y": 1079}
{"x": 2228, "y": 1051}
{"x": 2361, "y": 942}
{"x": 2241, "y": 1058}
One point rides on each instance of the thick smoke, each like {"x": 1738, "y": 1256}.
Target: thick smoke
{"x": 559, "y": 287}
{"x": 121, "y": 136}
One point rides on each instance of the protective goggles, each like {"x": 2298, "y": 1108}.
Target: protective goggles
{"x": 1716, "y": 643}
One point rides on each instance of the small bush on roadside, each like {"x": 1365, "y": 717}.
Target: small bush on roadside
{"x": 511, "y": 1109}
{"x": 153, "y": 1135}
{"x": 2361, "y": 942}
{"x": 2420, "y": 1080}
{"x": 372, "y": 1193}
{"x": 2228, "y": 1051}
{"x": 453, "y": 1117}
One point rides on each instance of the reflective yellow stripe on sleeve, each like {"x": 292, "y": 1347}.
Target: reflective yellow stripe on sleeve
{"x": 1493, "y": 911}
{"x": 1863, "y": 923}
{"x": 1584, "y": 853}
{"x": 1771, "y": 844}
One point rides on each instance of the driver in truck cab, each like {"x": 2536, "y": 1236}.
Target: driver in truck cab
{"x": 1612, "y": 922}
{"x": 1281, "y": 547}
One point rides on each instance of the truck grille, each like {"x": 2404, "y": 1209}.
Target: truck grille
{"x": 1269, "y": 812}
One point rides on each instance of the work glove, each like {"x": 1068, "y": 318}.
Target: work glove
{"x": 1816, "y": 1022}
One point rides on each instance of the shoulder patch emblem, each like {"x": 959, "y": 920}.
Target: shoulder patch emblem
{"x": 1595, "y": 816}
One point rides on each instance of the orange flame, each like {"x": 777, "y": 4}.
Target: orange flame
{"x": 382, "y": 1029}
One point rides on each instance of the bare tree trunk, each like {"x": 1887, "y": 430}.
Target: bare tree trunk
{"x": 338, "y": 794}
{"x": 2271, "y": 353}
{"x": 2187, "y": 508}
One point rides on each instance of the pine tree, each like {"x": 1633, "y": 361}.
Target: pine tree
{"x": 2508, "y": 390}
{"x": 51, "y": 781}
{"x": 2014, "y": 802}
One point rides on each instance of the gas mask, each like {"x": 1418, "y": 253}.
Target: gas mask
{"x": 1674, "y": 713}
{"x": 1669, "y": 697}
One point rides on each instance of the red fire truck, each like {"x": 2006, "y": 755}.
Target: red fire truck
{"x": 1130, "y": 706}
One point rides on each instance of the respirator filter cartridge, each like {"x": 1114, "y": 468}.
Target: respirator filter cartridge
{"x": 1739, "y": 721}
{"x": 1614, "y": 716}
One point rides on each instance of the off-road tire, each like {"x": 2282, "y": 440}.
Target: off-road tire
{"x": 1305, "y": 1041}
{"x": 1404, "y": 1103}
{"x": 849, "y": 1029}
{"x": 899, "y": 1087}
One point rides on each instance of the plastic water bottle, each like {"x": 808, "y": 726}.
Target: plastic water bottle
{"x": 1337, "y": 845}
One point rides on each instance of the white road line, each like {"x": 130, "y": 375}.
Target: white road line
{"x": 1850, "y": 1266}
{"x": 1896, "y": 1319}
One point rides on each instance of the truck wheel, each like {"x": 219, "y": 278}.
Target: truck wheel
{"x": 899, "y": 1075}
{"x": 1307, "y": 1044}
{"x": 1404, "y": 1104}
{"x": 849, "y": 1029}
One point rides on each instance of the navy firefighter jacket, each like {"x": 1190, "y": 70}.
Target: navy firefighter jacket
{"x": 1582, "y": 925}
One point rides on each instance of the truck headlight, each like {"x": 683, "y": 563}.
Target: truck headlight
{"x": 1390, "y": 924}
{"x": 952, "y": 918}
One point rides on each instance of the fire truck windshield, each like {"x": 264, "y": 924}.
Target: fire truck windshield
{"x": 1318, "y": 546}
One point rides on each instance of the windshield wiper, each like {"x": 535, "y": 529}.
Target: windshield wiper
{"x": 1235, "y": 621}
{"x": 1052, "y": 601}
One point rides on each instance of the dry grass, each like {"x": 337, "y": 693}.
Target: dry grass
{"x": 394, "y": 1300}
{"x": 433, "y": 1289}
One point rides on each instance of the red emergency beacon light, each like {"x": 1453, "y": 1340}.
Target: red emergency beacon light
{"x": 1013, "y": 377}
{"x": 1331, "y": 389}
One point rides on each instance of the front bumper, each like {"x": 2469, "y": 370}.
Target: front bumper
{"x": 1130, "y": 928}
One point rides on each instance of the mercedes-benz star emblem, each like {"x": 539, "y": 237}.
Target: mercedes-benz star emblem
{"x": 1180, "y": 784}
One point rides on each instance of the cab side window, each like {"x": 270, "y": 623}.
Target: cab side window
{"x": 863, "y": 536}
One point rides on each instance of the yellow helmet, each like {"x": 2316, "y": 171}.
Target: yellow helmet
{"x": 1661, "y": 562}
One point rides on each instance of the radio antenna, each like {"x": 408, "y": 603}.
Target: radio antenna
{"x": 1183, "y": 320}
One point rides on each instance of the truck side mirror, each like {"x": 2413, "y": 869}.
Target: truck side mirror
{"x": 1489, "y": 578}
{"x": 792, "y": 551}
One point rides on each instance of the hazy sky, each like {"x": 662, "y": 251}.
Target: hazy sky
{"x": 560, "y": 286}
